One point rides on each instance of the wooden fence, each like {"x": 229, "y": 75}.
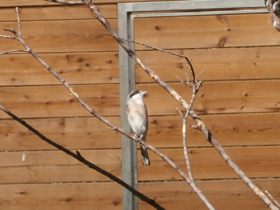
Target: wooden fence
{"x": 240, "y": 103}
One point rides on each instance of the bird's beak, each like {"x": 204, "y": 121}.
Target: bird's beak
{"x": 143, "y": 92}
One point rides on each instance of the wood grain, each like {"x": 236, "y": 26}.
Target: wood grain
{"x": 230, "y": 130}
{"x": 221, "y": 30}
{"x": 214, "y": 97}
{"x": 58, "y": 196}
{"x": 51, "y": 166}
{"x": 75, "y": 68}
{"x": 102, "y": 67}
{"x": 72, "y": 133}
{"x": 49, "y": 101}
{"x": 62, "y": 36}
{"x": 164, "y": 132}
{"x": 207, "y": 164}
{"x": 56, "y": 12}
{"x": 224, "y": 194}
{"x": 217, "y": 97}
{"x": 215, "y": 64}
{"x": 13, "y": 3}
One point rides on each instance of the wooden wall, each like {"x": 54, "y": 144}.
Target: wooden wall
{"x": 239, "y": 103}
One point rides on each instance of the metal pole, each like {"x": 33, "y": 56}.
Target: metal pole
{"x": 127, "y": 81}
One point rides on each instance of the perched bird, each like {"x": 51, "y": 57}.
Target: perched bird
{"x": 276, "y": 8}
{"x": 136, "y": 112}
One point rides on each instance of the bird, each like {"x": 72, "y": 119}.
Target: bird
{"x": 137, "y": 117}
{"x": 276, "y": 8}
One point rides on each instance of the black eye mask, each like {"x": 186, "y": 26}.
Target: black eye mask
{"x": 134, "y": 93}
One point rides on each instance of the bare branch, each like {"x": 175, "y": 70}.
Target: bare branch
{"x": 66, "y": 2}
{"x": 166, "y": 51}
{"x": 12, "y": 51}
{"x": 80, "y": 158}
{"x": 184, "y": 128}
{"x": 18, "y": 21}
{"x": 7, "y": 37}
{"x": 184, "y": 137}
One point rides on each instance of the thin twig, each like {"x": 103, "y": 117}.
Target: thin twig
{"x": 195, "y": 87}
{"x": 7, "y": 37}
{"x": 66, "y": 2}
{"x": 12, "y": 51}
{"x": 18, "y": 21}
{"x": 184, "y": 129}
{"x": 165, "y": 51}
{"x": 80, "y": 158}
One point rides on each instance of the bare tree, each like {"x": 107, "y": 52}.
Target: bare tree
{"x": 189, "y": 112}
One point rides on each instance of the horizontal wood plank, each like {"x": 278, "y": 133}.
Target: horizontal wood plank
{"x": 56, "y": 12}
{"x": 230, "y": 130}
{"x": 217, "y": 97}
{"x": 102, "y": 67}
{"x": 62, "y": 36}
{"x": 75, "y": 68}
{"x": 213, "y": 64}
{"x": 214, "y": 97}
{"x": 228, "y": 195}
{"x": 51, "y": 166}
{"x": 13, "y": 3}
{"x": 72, "y": 133}
{"x": 164, "y": 132}
{"x": 206, "y": 163}
{"x": 101, "y": 196}
{"x": 221, "y": 31}
{"x": 48, "y": 101}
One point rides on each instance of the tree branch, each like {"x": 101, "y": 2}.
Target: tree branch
{"x": 66, "y": 2}
{"x": 12, "y": 51}
{"x": 81, "y": 159}
{"x": 184, "y": 128}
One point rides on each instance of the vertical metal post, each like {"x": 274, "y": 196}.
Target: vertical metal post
{"x": 127, "y": 84}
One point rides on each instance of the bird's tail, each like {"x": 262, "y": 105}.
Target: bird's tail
{"x": 145, "y": 156}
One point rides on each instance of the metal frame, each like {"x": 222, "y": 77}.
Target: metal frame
{"x": 127, "y": 12}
